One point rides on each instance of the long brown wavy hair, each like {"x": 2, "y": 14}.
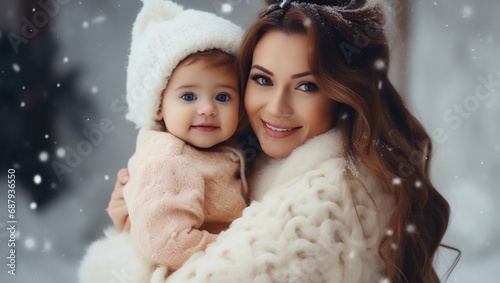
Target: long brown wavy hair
{"x": 350, "y": 59}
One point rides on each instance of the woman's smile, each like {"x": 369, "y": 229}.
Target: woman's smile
{"x": 278, "y": 131}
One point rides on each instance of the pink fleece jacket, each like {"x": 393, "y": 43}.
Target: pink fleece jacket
{"x": 179, "y": 197}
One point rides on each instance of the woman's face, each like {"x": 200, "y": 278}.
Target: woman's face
{"x": 282, "y": 98}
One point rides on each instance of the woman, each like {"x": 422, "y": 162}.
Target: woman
{"x": 343, "y": 192}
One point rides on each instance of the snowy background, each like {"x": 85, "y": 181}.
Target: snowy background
{"x": 453, "y": 86}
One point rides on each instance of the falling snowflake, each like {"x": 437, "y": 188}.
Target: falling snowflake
{"x": 394, "y": 246}
{"x": 466, "y": 12}
{"x": 29, "y": 243}
{"x": 23, "y": 104}
{"x": 380, "y": 84}
{"x": 47, "y": 246}
{"x": 418, "y": 184}
{"x": 99, "y": 19}
{"x": 16, "y": 68}
{"x": 379, "y": 64}
{"x": 396, "y": 181}
{"x": 106, "y": 177}
{"x": 94, "y": 89}
{"x": 344, "y": 116}
{"x": 226, "y": 8}
{"x": 65, "y": 60}
{"x": 33, "y": 206}
{"x": 46, "y": 136}
{"x": 61, "y": 152}
{"x": 384, "y": 280}
{"x": 85, "y": 25}
{"x": 352, "y": 254}
{"x": 44, "y": 156}
{"x": 389, "y": 232}
{"x": 37, "y": 179}
{"x": 58, "y": 85}
{"x": 307, "y": 22}
{"x": 410, "y": 228}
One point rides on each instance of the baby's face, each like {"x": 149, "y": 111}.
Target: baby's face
{"x": 200, "y": 104}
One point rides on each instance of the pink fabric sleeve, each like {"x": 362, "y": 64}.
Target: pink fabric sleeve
{"x": 166, "y": 204}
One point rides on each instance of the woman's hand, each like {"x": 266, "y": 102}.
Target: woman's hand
{"x": 117, "y": 208}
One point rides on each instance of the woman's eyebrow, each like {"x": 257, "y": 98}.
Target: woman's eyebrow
{"x": 299, "y": 75}
{"x": 296, "y": 76}
{"x": 263, "y": 69}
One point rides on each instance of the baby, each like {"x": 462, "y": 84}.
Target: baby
{"x": 187, "y": 184}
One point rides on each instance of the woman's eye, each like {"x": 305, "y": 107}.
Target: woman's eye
{"x": 222, "y": 97}
{"x": 188, "y": 97}
{"x": 308, "y": 87}
{"x": 262, "y": 80}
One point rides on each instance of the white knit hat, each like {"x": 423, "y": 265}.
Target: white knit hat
{"x": 162, "y": 36}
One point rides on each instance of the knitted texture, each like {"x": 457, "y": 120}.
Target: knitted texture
{"x": 306, "y": 224}
{"x": 162, "y": 36}
{"x": 179, "y": 198}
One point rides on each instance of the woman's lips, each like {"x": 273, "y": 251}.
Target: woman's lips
{"x": 205, "y": 127}
{"x": 278, "y": 131}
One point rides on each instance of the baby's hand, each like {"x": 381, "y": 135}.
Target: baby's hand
{"x": 117, "y": 208}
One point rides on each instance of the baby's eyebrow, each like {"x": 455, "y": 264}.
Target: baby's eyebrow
{"x": 227, "y": 86}
{"x": 194, "y": 86}
{"x": 186, "y": 86}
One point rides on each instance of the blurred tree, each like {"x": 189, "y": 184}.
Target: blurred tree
{"x": 34, "y": 99}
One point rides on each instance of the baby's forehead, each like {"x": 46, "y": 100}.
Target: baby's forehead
{"x": 212, "y": 58}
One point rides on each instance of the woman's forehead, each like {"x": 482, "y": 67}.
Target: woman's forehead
{"x": 288, "y": 51}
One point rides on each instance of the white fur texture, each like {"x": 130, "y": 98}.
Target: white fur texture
{"x": 113, "y": 259}
{"x": 162, "y": 36}
{"x": 307, "y": 224}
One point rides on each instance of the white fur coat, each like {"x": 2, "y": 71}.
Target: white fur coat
{"x": 306, "y": 224}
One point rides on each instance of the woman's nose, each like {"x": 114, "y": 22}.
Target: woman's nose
{"x": 207, "y": 108}
{"x": 279, "y": 104}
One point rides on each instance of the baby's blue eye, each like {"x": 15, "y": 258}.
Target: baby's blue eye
{"x": 222, "y": 97}
{"x": 308, "y": 87}
{"x": 188, "y": 96}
